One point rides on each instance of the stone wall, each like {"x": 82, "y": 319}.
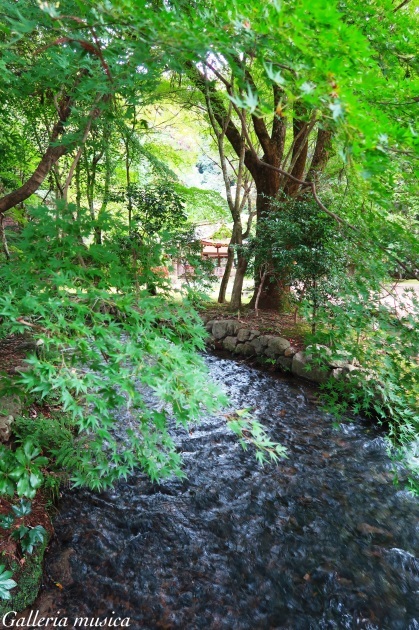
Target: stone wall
{"x": 315, "y": 363}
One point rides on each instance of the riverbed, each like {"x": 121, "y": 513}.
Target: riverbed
{"x": 321, "y": 540}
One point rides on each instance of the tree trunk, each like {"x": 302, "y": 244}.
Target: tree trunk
{"x": 33, "y": 183}
{"x": 51, "y": 155}
{"x": 236, "y": 294}
{"x": 226, "y": 275}
{"x": 272, "y": 142}
{"x": 78, "y": 190}
{"x": 267, "y": 186}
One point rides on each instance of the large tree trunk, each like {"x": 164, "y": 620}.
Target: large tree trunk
{"x": 267, "y": 186}
{"x": 274, "y": 294}
{"x": 294, "y": 163}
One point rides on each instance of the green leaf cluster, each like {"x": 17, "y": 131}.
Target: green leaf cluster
{"x": 21, "y": 470}
{"x": 6, "y": 583}
{"x": 251, "y": 431}
{"x": 107, "y": 348}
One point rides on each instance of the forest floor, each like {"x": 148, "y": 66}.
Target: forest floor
{"x": 13, "y": 351}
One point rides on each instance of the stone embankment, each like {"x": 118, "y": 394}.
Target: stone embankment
{"x": 315, "y": 363}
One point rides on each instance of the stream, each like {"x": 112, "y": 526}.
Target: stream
{"x": 321, "y": 540}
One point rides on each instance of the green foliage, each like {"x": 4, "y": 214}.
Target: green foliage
{"x": 303, "y": 249}
{"x": 6, "y": 583}
{"x": 382, "y": 345}
{"x": 203, "y": 205}
{"x": 223, "y": 233}
{"x": 155, "y": 207}
{"x": 21, "y": 470}
{"x": 55, "y": 436}
{"x": 109, "y": 348}
{"x": 29, "y": 537}
{"x": 6, "y": 521}
{"x": 24, "y": 508}
{"x": 49, "y": 433}
{"x": 250, "y": 431}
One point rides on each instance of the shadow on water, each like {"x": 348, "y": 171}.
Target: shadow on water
{"x": 322, "y": 540}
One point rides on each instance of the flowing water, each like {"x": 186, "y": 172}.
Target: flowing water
{"x": 322, "y": 540}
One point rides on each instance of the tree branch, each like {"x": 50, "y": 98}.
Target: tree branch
{"x": 302, "y": 131}
{"x": 220, "y": 113}
{"x": 401, "y": 5}
{"x": 252, "y": 214}
{"x": 50, "y": 157}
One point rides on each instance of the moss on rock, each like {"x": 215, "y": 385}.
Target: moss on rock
{"x": 28, "y": 577}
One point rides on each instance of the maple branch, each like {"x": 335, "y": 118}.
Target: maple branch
{"x": 401, "y": 5}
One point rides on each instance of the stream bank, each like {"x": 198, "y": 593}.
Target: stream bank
{"x": 314, "y": 363}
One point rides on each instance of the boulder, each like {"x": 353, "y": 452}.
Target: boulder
{"x": 230, "y": 343}
{"x": 234, "y": 327}
{"x": 337, "y": 363}
{"x": 5, "y": 427}
{"x": 340, "y": 360}
{"x": 344, "y": 370}
{"x": 254, "y": 334}
{"x": 276, "y": 347}
{"x": 318, "y": 351}
{"x": 243, "y": 334}
{"x": 301, "y": 366}
{"x": 289, "y": 352}
{"x": 224, "y": 327}
{"x": 209, "y": 325}
{"x": 10, "y": 407}
{"x": 260, "y": 343}
{"x": 284, "y": 363}
{"x": 245, "y": 348}
{"x": 258, "y": 346}
{"x": 350, "y": 368}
